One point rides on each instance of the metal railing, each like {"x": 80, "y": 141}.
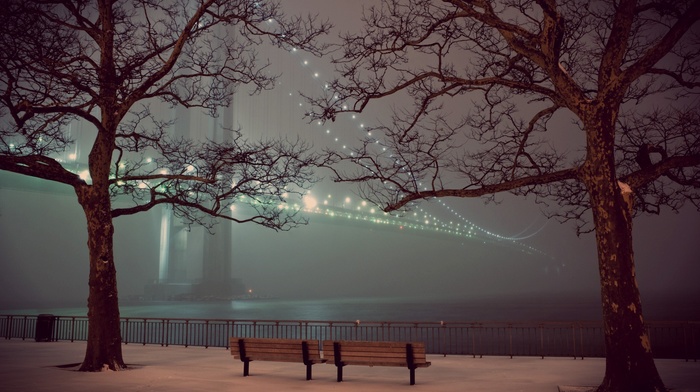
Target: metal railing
{"x": 577, "y": 339}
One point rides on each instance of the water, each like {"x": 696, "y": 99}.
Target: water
{"x": 520, "y": 308}
{"x": 366, "y": 309}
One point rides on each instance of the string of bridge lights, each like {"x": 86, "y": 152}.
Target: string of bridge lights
{"x": 420, "y": 219}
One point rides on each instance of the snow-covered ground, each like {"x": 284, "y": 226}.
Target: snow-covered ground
{"x": 38, "y": 366}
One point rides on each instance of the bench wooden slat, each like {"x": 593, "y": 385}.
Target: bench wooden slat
{"x": 276, "y": 358}
{"x": 282, "y": 358}
{"x": 279, "y": 350}
{"x": 383, "y": 363}
{"x": 360, "y": 357}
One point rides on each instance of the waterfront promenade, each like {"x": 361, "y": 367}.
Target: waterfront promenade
{"x": 26, "y": 365}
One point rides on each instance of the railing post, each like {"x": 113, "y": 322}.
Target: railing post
{"x": 573, "y": 336}
{"x": 126, "y": 334}
{"x": 473, "y": 342}
{"x": 510, "y": 339}
{"x": 206, "y": 334}
{"x": 442, "y": 337}
{"x": 228, "y": 331}
{"x": 145, "y": 328}
{"x": 580, "y": 331}
{"x": 55, "y": 328}
{"x": 168, "y": 332}
{"x": 72, "y": 329}
{"x": 163, "y": 332}
{"x": 24, "y": 328}
{"x": 187, "y": 332}
{"x": 541, "y": 327}
{"x": 8, "y": 327}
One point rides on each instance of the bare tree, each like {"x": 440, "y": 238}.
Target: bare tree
{"x": 103, "y": 62}
{"x": 502, "y": 90}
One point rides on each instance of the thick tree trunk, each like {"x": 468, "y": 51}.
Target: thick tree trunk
{"x": 629, "y": 362}
{"x": 104, "y": 337}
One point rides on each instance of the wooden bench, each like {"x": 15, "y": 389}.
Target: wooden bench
{"x": 278, "y": 350}
{"x": 402, "y": 354}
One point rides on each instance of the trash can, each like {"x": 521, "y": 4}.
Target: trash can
{"x": 44, "y": 328}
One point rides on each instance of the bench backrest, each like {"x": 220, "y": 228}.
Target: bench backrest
{"x": 276, "y": 349}
{"x": 374, "y": 353}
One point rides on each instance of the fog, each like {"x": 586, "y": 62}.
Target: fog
{"x": 43, "y": 254}
{"x": 44, "y": 262}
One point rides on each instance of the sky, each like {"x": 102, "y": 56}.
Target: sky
{"x": 43, "y": 255}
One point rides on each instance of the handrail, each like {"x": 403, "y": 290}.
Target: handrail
{"x": 576, "y": 339}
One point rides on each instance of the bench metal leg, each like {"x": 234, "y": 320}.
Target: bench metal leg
{"x": 411, "y": 362}
{"x": 308, "y": 372}
{"x": 340, "y": 372}
{"x": 246, "y": 367}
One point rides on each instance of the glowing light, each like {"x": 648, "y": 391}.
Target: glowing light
{"x": 309, "y": 201}
{"x": 72, "y": 156}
